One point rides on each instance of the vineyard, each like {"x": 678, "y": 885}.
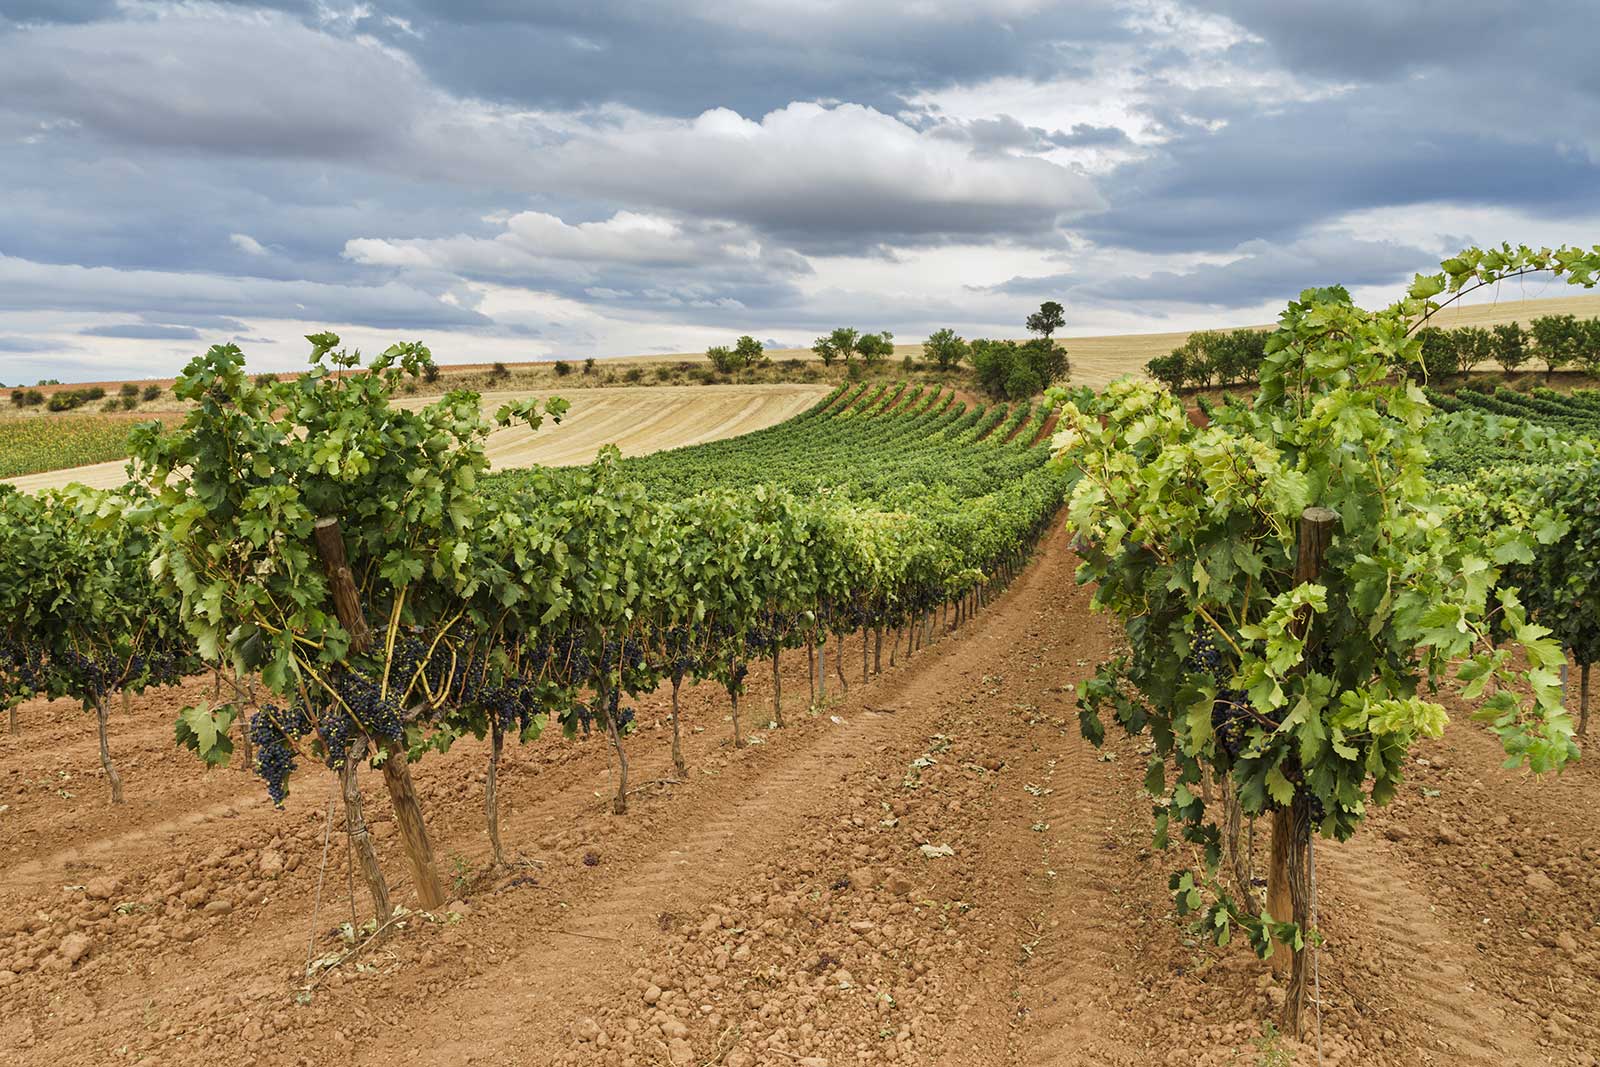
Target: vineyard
{"x": 909, "y": 729}
{"x": 30, "y": 445}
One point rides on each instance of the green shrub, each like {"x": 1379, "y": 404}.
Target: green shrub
{"x": 68, "y": 399}
{"x": 1008, "y": 370}
{"x": 563, "y": 368}
{"x": 151, "y": 392}
{"x": 1510, "y": 346}
{"x": 129, "y": 390}
{"x": 1171, "y": 370}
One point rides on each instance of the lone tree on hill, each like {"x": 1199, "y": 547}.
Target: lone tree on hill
{"x": 840, "y": 344}
{"x": 875, "y": 347}
{"x": 1050, "y": 317}
{"x": 946, "y": 348}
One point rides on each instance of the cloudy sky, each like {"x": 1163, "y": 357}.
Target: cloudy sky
{"x": 521, "y": 180}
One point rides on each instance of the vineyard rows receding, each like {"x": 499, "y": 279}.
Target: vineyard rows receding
{"x": 368, "y": 588}
{"x": 1295, "y": 578}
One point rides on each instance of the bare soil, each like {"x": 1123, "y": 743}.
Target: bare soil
{"x": 933, "y": 869}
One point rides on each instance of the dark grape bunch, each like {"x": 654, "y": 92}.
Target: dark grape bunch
{"x": 1230, "y": 721}
{"x": 679, "y": 650}
{"x": 92, "y": 678}
{"x": 22, "y": 668}
{"x": 273, "y": 731}
{"x": 377, "y": 715}
{"x": 1231, "y": 713}
{"x": 513, "y": 703}
{"x": 766, "y": 635}
{"x": 563, "y": 658}
{"x": 1203, "y": 654}
{"x": 846, "y": 618}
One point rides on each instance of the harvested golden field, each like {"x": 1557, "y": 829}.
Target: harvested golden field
{"x": 1482, "y": 312}
{"x": 637, "y": 419}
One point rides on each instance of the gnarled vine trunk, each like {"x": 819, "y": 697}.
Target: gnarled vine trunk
{"x": 1238, "y": 850}
{"x": 777, "y": 689}
{"x": 103, "y": 717}
{"x": 355, "y": 827}
{"x": 738, "y": 738}
{"x": 1583, "y": 700}
{"x": 491, "y": 799}
{"x": 677, "y": 744}
{"x": 619, "y": 803}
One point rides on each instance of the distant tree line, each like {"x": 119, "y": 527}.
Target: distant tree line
{"x": 1216, "y": 357}
{"x": 1560, "y": 341}
{"x": 1211, "y": 357}
{"x": 745, "y": 354}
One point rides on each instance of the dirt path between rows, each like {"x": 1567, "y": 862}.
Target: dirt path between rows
{"x": 934, "y": 869}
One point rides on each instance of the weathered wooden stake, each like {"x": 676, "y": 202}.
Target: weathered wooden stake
{"x": 413, "y": 832}
{"x": 396, "y": 770}
{"x": 1288, "y": 878}
{"x": 346, "y": 597}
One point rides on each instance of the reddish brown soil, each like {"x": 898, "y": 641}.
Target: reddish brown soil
{"x": 777, "y": 908}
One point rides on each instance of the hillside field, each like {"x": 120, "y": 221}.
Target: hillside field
{"x": 637, "y": 419}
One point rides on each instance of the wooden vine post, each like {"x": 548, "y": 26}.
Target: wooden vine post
{"x": 396, "y": 769}
{"x": 1289, "y": 877}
